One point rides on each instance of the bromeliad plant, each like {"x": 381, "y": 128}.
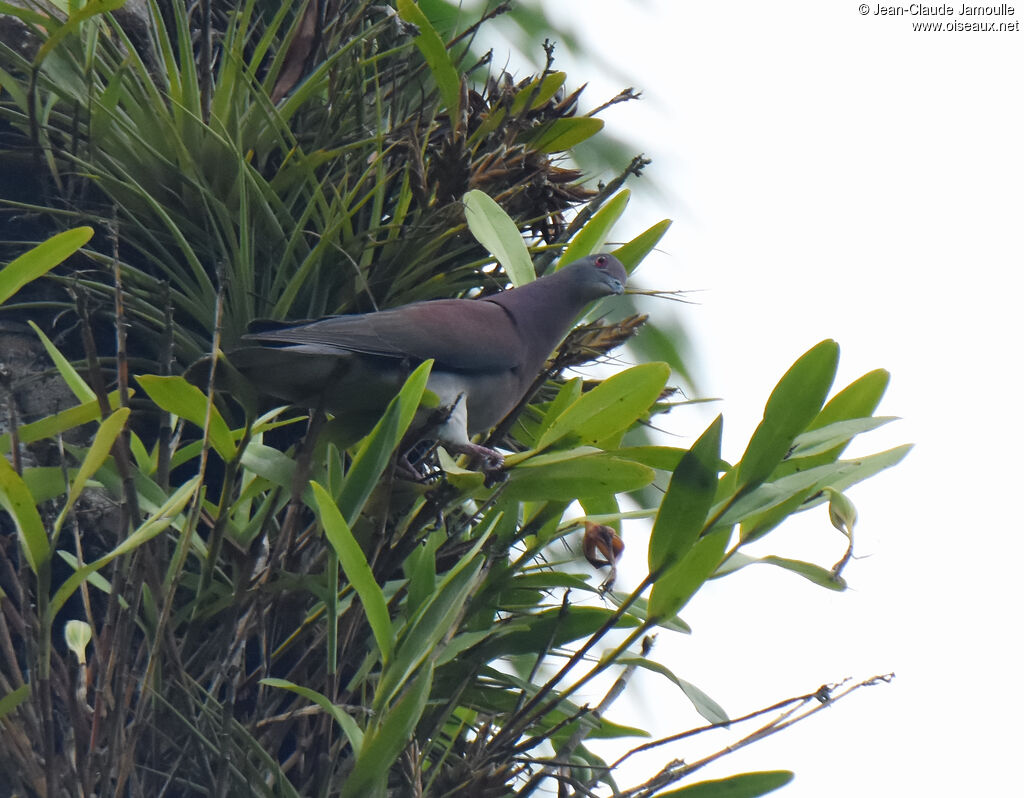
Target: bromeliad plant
{"x": 197, "y": 600}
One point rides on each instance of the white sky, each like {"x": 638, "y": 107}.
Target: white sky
{"x": 840, "y": 175}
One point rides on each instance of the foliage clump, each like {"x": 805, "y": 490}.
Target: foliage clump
{"x": 267, "y": 609}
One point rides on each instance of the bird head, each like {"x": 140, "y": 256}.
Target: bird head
{"x": 596, "y": 276}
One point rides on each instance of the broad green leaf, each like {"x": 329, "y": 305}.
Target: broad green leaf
{"x": 162, "y": 518}
{"x": 611, "y": 407}
{"x": 385, "y": 741}
{"x": 685, "y": 506}
{"x": 357, "y": 570}
{"x": 46, "y": 482}
{"x": 273, "y": 465}
{"x": 102, "y": 443}
{"x": 591, "y": 475}
{"x": 498, "y": 234}
{"x": 79, "y": 387}
{"x": 563, "y": 134}
{"x": 743, "y": 785}
{"x": 792, "y": 406}
{"x": 376, "y": 450}
{"x": 592, "y": 237}
{"x": 684, "y": 577}
{"x": 41, "y": 259}
{"x": 16, "y": 498}
{"x": 708, "y": 708}
{"x": 345, "y": 721}
{"x": 633, "y": 252}
{"x": 178, "y": 396}
{"x": 436, "y": 55}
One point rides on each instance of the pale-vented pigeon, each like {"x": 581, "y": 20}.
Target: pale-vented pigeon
{"x": 486, "y": 352}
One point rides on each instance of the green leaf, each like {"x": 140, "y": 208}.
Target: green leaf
{"x": 59, "y": 422}
{"x": 376, "y": 450}
{"x": 436, "y": 55}
{"x": 498, "y": 234}
{"x": 633, "y": 252}
{"x": 357, "y": 570}
{"x": 685, "y": 506}
{"x": 178, "y": 396}
{"x": 702, "y": 702}
{"x": 537, "y": 92}
{"x": 162, "y": 518}
{"x": 609, "y": 408}
{"x": 792, "y": 406}
{"x": 429, "y": 624}
{"x": 383, "y": 744}
{"x": 16, "y": 498}
{"x": 684, "y": 578}
{"x": 743, "y": 785}
{"x": 74, "y": 21}
{"x": 41, "y": 259}
{"x": 590, "y": 475}
{"x": 345, "y": 721}
{"x": 79, "y": 387}
{"x": 12, "y": 700}
{"x": 592, "y": 237}
{"x": 563, "y": 134}
{"x": 838, "y": 433}
{"x": 808, "y": 570}
{"x": 102, "y": 443}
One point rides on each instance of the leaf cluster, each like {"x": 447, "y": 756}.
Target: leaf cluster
{"x": 272, "y": 610}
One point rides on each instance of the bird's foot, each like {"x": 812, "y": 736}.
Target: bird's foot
{"x": 490, "y": 460}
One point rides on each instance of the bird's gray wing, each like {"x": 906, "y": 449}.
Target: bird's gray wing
{"x": 458, "y": 334}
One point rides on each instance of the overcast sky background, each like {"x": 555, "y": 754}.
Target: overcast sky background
{"x": 836, "y": 175}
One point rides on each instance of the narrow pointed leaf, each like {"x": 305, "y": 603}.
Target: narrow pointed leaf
{"x": 357, "y": 569}
{"x": 792, "y": 406}
{"x": 633, "y": 252}
{"x": 41, "y": 259}
{"x": 685, "y": 506}
{"x": 592, "y": 237}
{"x": 683, "y": 579}
{"x": 345, "y": 721}
{"x": 436, "y": 55}
{"x": 102, "y": 443}
{"x": 16, "y": 498}
{"x": 375, "y": 454}
{"x": 79, "y": 387}
{"x": 382, "y": 746}
{"x": 744, "y": 785}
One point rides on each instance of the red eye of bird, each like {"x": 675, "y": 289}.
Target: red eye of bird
{"x": 601, "y": 260}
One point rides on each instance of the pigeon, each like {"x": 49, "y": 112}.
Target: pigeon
{"x": 487, "y": 352}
